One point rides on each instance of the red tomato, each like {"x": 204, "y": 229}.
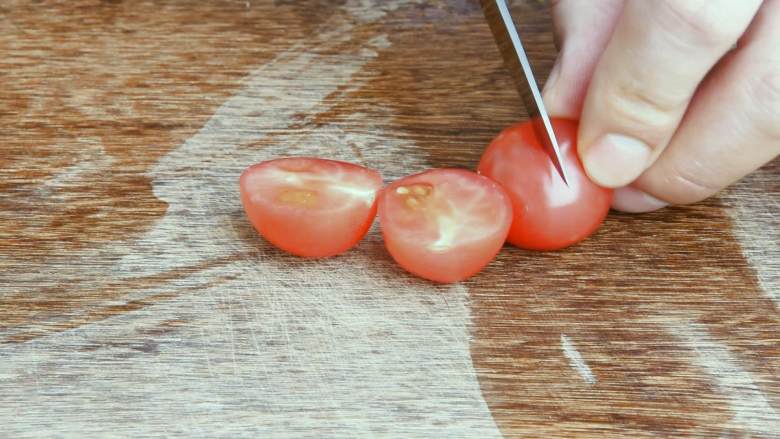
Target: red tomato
{"x": 310, "y": 207}
{"x": 444, "y": 225}
{"x": 548, "y": 214}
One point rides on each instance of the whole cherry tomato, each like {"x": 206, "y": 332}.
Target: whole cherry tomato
{"x": 444, "y": 225}
{"x": 310, "y": 207}
{"x": 548, "y": 214}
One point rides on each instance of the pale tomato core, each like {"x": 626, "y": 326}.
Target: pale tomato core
{"x": 310, "y": 207}
{"x": 444, "y": 225}
{"x": 548, "y": 213}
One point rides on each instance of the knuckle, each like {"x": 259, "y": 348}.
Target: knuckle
{"x": 698, "y": 21}
{"x": 685, "y": 186}
{"x": 679, "y": 182}
{"x": 691, "y": 189}
{"x": 643, "y": 108}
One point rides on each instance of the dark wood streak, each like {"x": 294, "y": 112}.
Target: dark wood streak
{"x": 116, "y": 85}
{"x": 122, "y": 83}
{"x": 105, "y": 72}
{"x": 60, "y": 308}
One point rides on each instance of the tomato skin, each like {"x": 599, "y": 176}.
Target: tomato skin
{"x": 548, "y": 214}
{"x": 324, "y": 225}
{"x": 413, "y": 246}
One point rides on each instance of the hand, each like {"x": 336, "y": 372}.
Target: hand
{"x": 666, "y": 102}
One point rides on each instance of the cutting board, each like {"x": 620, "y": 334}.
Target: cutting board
{"x": 137, "y": 301}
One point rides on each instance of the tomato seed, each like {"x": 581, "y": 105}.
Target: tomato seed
{"x": 299, "y": 197}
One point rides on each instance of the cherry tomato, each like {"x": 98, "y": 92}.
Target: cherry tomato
{"x": 548, "y": 214}
{"x": 444, "y": 225}
{"x": 310, "y": 207}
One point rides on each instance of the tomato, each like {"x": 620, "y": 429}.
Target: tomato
{"x": 310, "y": 207}
{"x": 548, "y": 214}
{"x": 444, "y": 225}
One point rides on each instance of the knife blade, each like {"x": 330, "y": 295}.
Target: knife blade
{"x": 516, "y": 61}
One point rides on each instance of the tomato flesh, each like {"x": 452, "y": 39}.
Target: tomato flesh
{"x": 310, "y": 207}
{"x": 548, "y": 214}
{"x": 444, "y": 225}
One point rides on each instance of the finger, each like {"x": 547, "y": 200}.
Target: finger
{"x": 733, "y": 125}
{"x": 632, "y": 200}
{"x": 659, "y": 53}
{"x": 582, "y": 30}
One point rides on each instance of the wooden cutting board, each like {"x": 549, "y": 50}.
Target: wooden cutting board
{"x": 136, "y": 301}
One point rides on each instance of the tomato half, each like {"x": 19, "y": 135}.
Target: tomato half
{"x": 548, "y": 214}
{"x": 310, "y": 207}
{"x": 444, "y": 225}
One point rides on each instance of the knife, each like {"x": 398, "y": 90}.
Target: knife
{"x": 511, "y": 48}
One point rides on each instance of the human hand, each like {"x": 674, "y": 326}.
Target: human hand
{"x": 666, "y": 103}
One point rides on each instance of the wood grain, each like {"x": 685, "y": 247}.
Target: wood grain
{"x": 136, "y": 301}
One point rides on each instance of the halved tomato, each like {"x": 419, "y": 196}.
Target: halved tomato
{"x": 444, "y": 225}
{"x": 310, "y": 207}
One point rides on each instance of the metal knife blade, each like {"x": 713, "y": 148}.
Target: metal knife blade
{"x": 511, "y": 48}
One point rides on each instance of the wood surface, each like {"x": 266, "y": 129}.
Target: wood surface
{"x": 136, "y": 300}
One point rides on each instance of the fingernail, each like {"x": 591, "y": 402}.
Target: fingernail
{"x": 632, "y": 200}
{"x": 615, "y": 160}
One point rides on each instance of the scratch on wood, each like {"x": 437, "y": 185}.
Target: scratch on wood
{"x": 576, "y": 361}
{"x": 92, "y": 158}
